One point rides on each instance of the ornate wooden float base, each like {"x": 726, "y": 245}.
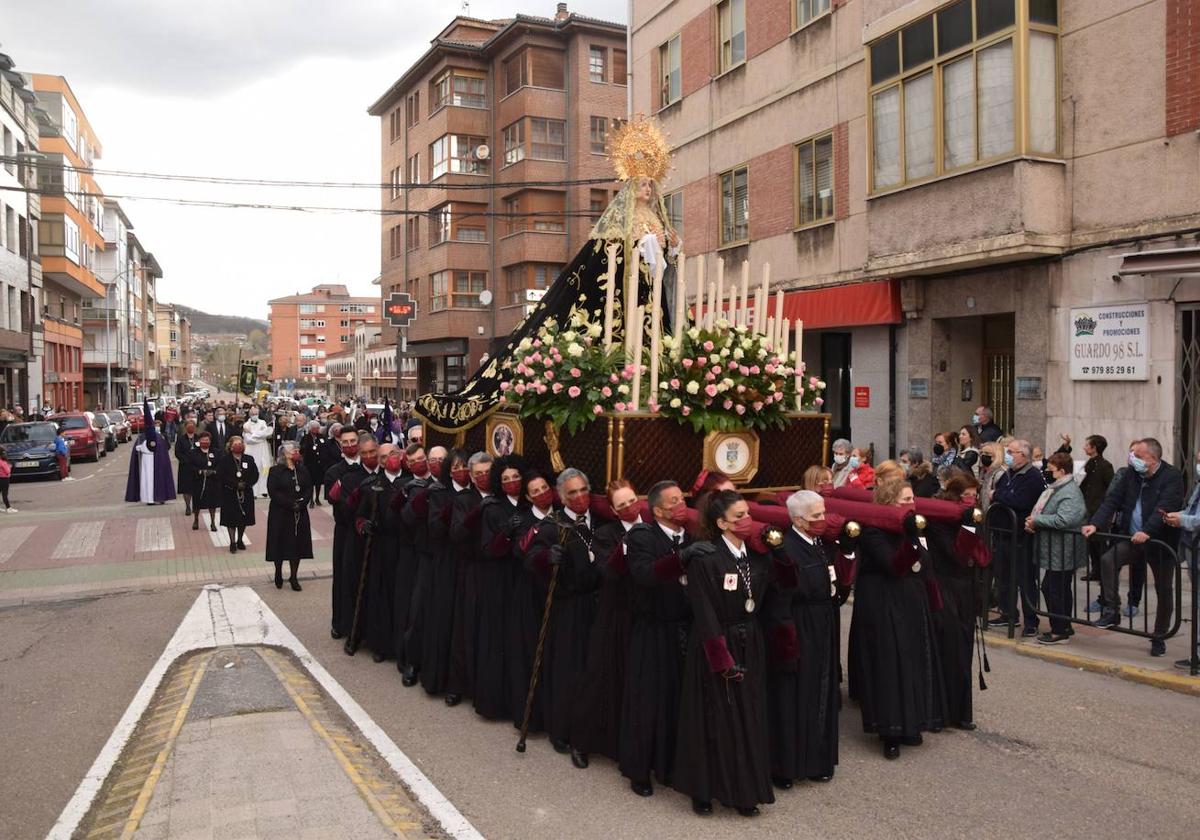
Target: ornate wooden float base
{"x": 646, "y": 448}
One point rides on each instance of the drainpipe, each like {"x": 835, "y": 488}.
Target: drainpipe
{"x": 892, "y": 391}
{"x": 629, "y": 60}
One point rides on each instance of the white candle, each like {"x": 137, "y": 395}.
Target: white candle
{"x": 610, "y": 296}
{"x": 799, "y": 364}
{"x": 709, "y": 317}
{"x": 733, "y": 304}
{"x": 778, "y": 314}
{"x": 760, "y": 305}
{"x": 720, "y": 298}
{"x": 632, "y": 272}
{"x": 638, "y": 319}
{"x": 698, "y": 312}
{"x": 769, "y": 333}
{"x": 656, "y": 328}
{"x": 680, "y": 300}
{"x": 744, "y": 314}
{"x": 784, "y": 335}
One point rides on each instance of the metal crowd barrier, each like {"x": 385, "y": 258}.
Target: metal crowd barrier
{"x": 1019, "y": 577}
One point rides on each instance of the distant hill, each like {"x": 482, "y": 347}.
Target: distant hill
{"x": 205, "y": 324}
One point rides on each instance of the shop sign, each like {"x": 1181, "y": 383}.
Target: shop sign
{"x": 1110, "y": 342}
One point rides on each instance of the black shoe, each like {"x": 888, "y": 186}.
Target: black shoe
{"x": 195, "y": 524}
{"x": 1183, "y": 664}
{"x": 212, "y": 526}
{"x": 891, "y": 748}
{"x": 349, "y": 649}
{"x": 1094, "y": 577}
{"x": 1108, "y": 618}
{"x": 642, "y": 788}
{"x": 1158, "y": 647}
{"x": 295, "y": 584}
{"x": 312, "y": 505}
{"x": 233, "y": 548}
{"x": 828, "y": 778}
{"x": 334, "y": 633}
{"x": 702, "y": 807}
{"x": 377, "y": 657}
{"x": 998, "y": 621}
{"x": 579, "y": 759}
{"x": 781, "y": 783}
{"x": 187, "y": 511}
{"x": 560, "y": 746}
{"x": 241, "y": 545}
{"x": 748, "y": 812}
{"x": 278, "y": 580}
{"x": 453, "y": 699}
{"x": 912, "y": 740}
{"x": 410, "y": 676}
{"x": 966, "y": 725}
{"x": 1029, "y": 632}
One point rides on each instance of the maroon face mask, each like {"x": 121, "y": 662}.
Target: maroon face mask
{"x": 579, "y": 504}
{"x": 435, "y": 469}
{"x": 511, "y": 487}
{"x": 679, "y": 514}
{"x": 744, "y": 527}
{"x": 419, "y": 468}
{"x": 461, "y": 476}
{"x": 544, "y": 499}
{"x": 629, "y": 514}
{"x": 483, "y": 482}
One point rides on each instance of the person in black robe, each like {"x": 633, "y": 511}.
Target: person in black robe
{"x": 237, "y": 474}
{"x": 440, "y": 569}
{"x": 354, "y": 593}
{"x": 378, "y": 519}
{"x": 658, "y": 640}
{"x": 413, "y": 551}
{"x": 187, "y": 482}
{"x": 723, "y": 747}
{"x": 330, "y": 454}
{"x": 490, "y": 586}
{"x": 804, "y": 700}
{"x": 951, "y": 547}
{"x": 289, "y": 532}
{"x": 310, "y": 448}
{"x": 465, "y": 540}
{"x": 596, "y": 723}
{"x": 208, "y": 494}
{"x": 894, "y": 658}
{"x": 346, "y": 466}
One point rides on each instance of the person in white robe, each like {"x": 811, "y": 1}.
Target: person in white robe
{"x": 257, "y": 434}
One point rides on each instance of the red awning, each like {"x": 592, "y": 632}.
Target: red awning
{"x": 852, "y": 305}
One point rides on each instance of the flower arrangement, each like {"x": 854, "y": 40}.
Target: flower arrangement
{"x": 565, "y": 375}
{"x": 728, "y": 377}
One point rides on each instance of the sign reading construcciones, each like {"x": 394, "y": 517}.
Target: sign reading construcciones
{"x": 1110, "y": 342}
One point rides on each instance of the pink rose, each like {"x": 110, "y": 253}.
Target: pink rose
{"x": 687, "y": 409}
{"x": 711, "y": 390}
{"x": 576, "y": 373}
{"x": 541, "y": 389}
{"x": 702, "y": 360}
{"x": 619, "y": 406}
{"x": 708, "y": 345}
{"x": 728, "y": 404}
{"x": 613, "y": 378}
{"x": 627, "y": 374}
{"x": 536, "y": 357}
{"x": 754, "y": 369}
{"x": 812, "y": 381}
{"x": 597, "y": 409}
{"x": 573, "y": 392}
{"x": 674, "y": 383}
{"x": 606, "y": 392}
{"x": 504, "y": 386}
{"x": 556, "y": 388}
{"x": 520, "y": 389}
{"x": 537, "y": 342}
{"x": 744, "y": 371}
{"x": 716, "y": 369}
{"x": 770, "y": 369}
{"x": 741, "y": 389}
{"x": 758, "y": 405}
{"x": 548, "y": 374}
{"x": 503, "y": 399}
{"x": 740, "y": 409}
{"x": 710, "y": 377}
{"x": 652, "y": 405}
{"x": 687, "y": 363}
{"x": 818, "y": 402}
{"x": 528, "y": 360}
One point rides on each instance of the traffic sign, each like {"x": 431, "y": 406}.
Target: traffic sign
{"x": 401, "y": 309}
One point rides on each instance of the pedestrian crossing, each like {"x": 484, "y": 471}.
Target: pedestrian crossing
{"x": 80, "y": 540}
{"x": 154, "y": 535}
{"x": 11, "y": 540}
{"x": 220, "y": 537}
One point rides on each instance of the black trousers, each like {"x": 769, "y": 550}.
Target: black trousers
{"x": 1057, "y": 588}
{"x": 1162, "y": 564}
{"x": 1026, "y": 576}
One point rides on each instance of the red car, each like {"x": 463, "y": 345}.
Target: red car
{"x": 83, "y": 439}
{"x": 133, "y": 414}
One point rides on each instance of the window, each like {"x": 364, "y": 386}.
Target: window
{"x": 412, "y": 234}
{"x": 412, "y": 108}
{"x": 731, "y": 34}
{"x": 814, "y": 176}
{"x": 674, "y": 205}
{"x": 414, "y": 169}
{"x": 599, "y": 135}
{"x": 670, "y": 83}
{"x": 343, "y": 338}
{"x": 456, "y": 289}
{"x": 320, "y": 339}
{"x": 395, "y": 124}
{"x": 396, "y": 181}
{"x": 735, "y": 206}
{"x": 519, "y": 278}
{"x": 598, "y": 201}
{"x": 808, "y": 10}
{"x": 456, "y": 153}
{"x": 464, "y": 88}
{"x": 539, "y": 210}
{"x": 514, "y": 142}
{"x": 458, "y": 221}
{"x": 620, "y": 67}
{"x": 394, "y": 246}
{"x": 516, "y": 72}
{"x": 547, "y": 139}
{"x": 598, "y": 64}
{"x": 536, "y": 66}
{"x": 944, "y": 92}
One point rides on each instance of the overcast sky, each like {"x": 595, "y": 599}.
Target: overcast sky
{"x": 254, "y": 88}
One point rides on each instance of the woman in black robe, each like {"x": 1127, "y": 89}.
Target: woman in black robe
{"x": 527, "y": 600}
{"x": 804, "y": 700}
{"x": 443, "y": 573}
{"x": 464, "y": 537}
{"x": 893, "y": 653}
{"x": 289, "y": 533}
{"x": 203, "y": 460}
{"x": 491, "y": 578}
{"x": 950, "y": 546}
{"x": 237, "y": 474}
{"x": 596, "y": 725}
{"x": 187, "y": 482}
{"x": 723, "y": 749}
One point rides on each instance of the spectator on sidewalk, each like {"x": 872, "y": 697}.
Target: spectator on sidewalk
{"x": 1149, "y": 487}
{"x": 1188, "y": 520}
{"x": 1097, "y": 476}
{"x": 62, "y": 451}
{"x": 945, "y": 450}
{"x": 919, "y": 472}
{"x": 1059, "y": 551}
{"x": 841, "y": 461}
{"x": 5, "y": 477}
{"x": 986, "y": 429}
{"x": 967, "y": 459}
{"x": 1018, "y": 489}
{"x": 861, "y": 475}
{"x": 991, "y": 467}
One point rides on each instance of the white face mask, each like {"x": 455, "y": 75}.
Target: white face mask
{"x": 840, "y": 459}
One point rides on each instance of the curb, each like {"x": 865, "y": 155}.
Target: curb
{"x": 1183, "y": 684}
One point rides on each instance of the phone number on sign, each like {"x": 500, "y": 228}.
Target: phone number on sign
{"x": 1110, "y": 369}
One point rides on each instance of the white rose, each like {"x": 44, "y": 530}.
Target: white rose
{"x": 727, "y": 382}
{"x": 694, "y": 333}
{"x": 570, "y": 335}
{"x": 622, "y": 389}
{"x": 594, "y": 330}
{"x": 675, "y": 403}
{"x": 525, "y": 344}
{"x": 739, "y": 354}
{"x": 747, "y": 343}
{"x": 574, "y": 350}
{"x": 693, "y": 387}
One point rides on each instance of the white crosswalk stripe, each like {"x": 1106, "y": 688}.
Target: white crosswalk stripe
{"x": 154, "y": 535}
{"x": 220, "y": 537}
{"x": 12, "y": 539}
{"x": 80, "y": 540}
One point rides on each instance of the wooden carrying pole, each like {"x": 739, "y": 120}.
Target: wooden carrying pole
{"x": 610, "y": 292}
{"x": 656, "y": 328}
{"x": 680, "y": 301}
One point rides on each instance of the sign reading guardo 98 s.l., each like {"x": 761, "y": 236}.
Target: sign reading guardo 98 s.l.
{"x": 1110, "y": 342}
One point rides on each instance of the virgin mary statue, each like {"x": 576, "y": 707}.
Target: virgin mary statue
{"x": 636, "y": 220}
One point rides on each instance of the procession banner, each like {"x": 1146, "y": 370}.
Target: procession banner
{"x": 248, "y": 378}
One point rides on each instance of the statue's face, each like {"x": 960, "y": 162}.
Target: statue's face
{"x": 645, "y": 190}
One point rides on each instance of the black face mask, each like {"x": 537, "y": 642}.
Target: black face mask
{"x": 985, "y": 459}
{"x": 938, "y": 450}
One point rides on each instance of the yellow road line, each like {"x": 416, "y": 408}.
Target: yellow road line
{"x": 160, "y": 762}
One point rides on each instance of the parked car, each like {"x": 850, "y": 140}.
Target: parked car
{"x": 117, "y": 416}
{"x": 29, "y": 447}
{"x": 133, "y": 415}
{"x": 107, "y": 427}
{"x": 83, "y": 438}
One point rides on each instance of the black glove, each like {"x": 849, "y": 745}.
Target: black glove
{"x": 297, "y": 504}
{"x": 736, "y": 673}
{"x": 847, "y": 544}
{"x": 368, "y": 527}
{"x": 241, "y": 485}
{"x": 910, "y": 527}
{"x": 514, "y": 524}
{"x": 968, "y": 517}
{"x": 558, "y": 555}
{"x": 697, "y": 549}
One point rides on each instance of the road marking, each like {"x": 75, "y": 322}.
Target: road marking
{"x": 80, "y": 540}
{"x": 238, "y": 616}
{"x": 12, "y": 539}
{"x": 220, "y": 537}
{"x": 154, "y": 535}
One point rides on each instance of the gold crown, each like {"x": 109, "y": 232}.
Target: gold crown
{"x": 639, "y": 150}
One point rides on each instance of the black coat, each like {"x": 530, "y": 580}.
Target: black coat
{"x": 1161, "y": 491}
{"x": 661, "y": 618}
{"x": 804, "y": 700}
{"x": 347, "y": 477}
{"x": 237, "y": 477}
{"x": 489, "y": 582}
{"x": 955, "y": 623}
{"x": 379, "y": 503}
{"x": 442, "y": 575}
{"x": 219, "y": 440}
{"x": 289, "y": 533}
{"x": 1019, "y": 490}
{"x": 894, "y": 661}
{"x": 310, "y": 452}
{"x": 208, "y": 490}
{"x": 464, "y": 539}
{"x": 1097, "y": 475}
{"x": 188, "y": 481}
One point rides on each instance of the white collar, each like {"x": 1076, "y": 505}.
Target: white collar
{"x": 372, "y": 472}
{"x": 669, "y": 532}
{"x": 350, "y": 461}
{"x": 391, "y": 475}
{"x": 513, "y": 500}
{"x": 484, "y": 493}
{"x": 458, "y": 488}
{"x": 628, "y": 526}
{"x": 735, "y": 551}
{"x": 804, "y": 536}
{"x": 576, "y": 517}
{"x": 537, "y": 514}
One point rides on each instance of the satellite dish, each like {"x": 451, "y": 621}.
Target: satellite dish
{"x": 482, "y": 152}
{"x": 485, "y": 297}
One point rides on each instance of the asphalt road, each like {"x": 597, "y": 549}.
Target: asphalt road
{"x": 1058, "y": 752}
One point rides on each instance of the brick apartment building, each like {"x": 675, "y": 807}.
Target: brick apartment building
{"x": 937, "y": 184}
{"x": 306, "y": 328}
{"x": 527, "y": 99}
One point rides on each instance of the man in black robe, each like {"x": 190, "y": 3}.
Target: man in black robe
{"x": 378, "y": 520}
{"x": 343, "y": 520}
{"x": 464, "y": 539}
{"x": 439, "y": 573}
{"x": 330, "y": 453}
{"x": 310, "y": 449}
{"x": 658, "y": 640}
{"x": 412, "y": 546}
